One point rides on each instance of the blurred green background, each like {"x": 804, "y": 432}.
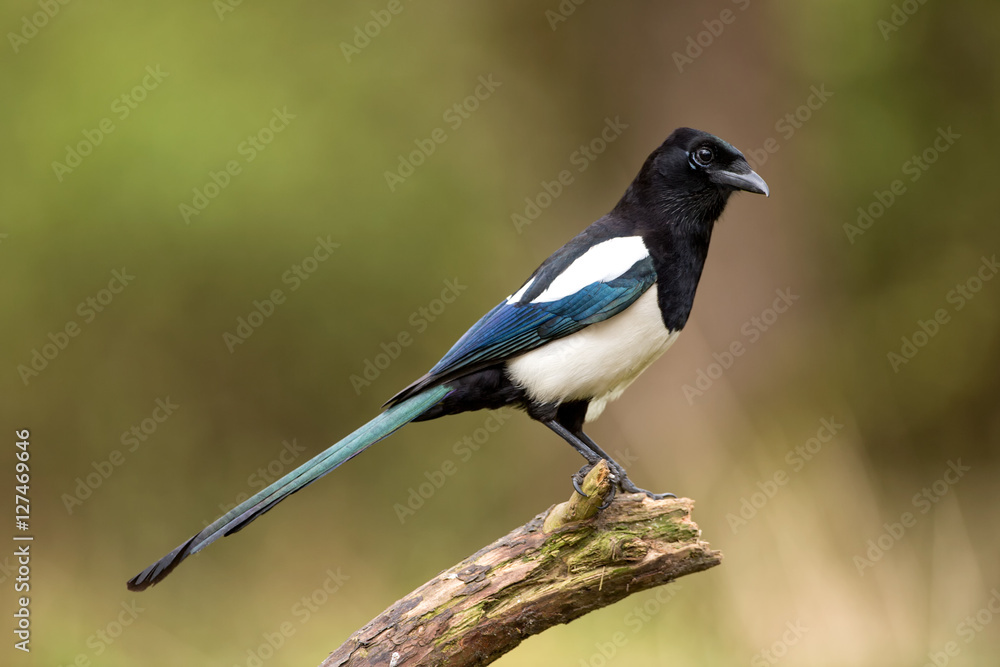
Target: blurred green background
{"x": 809, "y": 536}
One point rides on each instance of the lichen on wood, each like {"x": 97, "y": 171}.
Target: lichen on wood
{"x": 567, "y": 561}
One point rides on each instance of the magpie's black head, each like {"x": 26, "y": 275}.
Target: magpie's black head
{"x": 692, "y": 175}
{"x": 695, "y": 160}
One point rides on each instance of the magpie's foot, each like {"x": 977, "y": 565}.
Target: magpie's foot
{"x": 627, "y": 486}
{"x": 610, "y": 499}
{"x": 619, "y": 479}
{"x": 579, "y": 476}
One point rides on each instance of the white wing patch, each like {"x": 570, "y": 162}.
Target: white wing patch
{"x": 516, "y": 296}
{"x": 602, "y": 263}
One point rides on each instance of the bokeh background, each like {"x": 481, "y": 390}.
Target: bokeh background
{"x": 868, "y": 86}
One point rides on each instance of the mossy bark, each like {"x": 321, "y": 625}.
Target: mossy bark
{"x": 567, "y": 561}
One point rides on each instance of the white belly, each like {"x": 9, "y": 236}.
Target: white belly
{"x": 598, "y": 362}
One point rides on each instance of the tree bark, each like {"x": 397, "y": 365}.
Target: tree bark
{"x": 567, "y": 561}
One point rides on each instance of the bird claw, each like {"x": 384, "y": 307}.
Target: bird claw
{"x": 628, "y": 487}
{"x": 619, "y": 480}
{"x": 610, "y": 499}
{"x": 577, "y": 485}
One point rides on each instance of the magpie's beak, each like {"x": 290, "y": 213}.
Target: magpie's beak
{"x": 741, "y": 177}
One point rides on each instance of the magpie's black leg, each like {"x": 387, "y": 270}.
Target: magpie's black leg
{"x": 572, "y": 416}
{"x": 567, "y": 421}
{"x": 592, "y": 457}
{"x": 548, "y": 416}
{"x": 624, "y": 482}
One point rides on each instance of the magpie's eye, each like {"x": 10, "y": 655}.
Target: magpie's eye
{"x": 704, "y": 156}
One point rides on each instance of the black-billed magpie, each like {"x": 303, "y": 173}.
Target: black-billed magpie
{"x": 582, "y": 328}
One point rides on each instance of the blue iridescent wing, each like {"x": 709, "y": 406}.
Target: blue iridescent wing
{"x": 512, "y": 329}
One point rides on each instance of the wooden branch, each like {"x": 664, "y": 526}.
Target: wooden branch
{"x": 567, "y": 561}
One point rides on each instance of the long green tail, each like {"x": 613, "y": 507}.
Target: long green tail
{"x": 241, "y": 515}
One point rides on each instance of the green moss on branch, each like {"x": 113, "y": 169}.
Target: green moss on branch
{"x": 567, "y": 561}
